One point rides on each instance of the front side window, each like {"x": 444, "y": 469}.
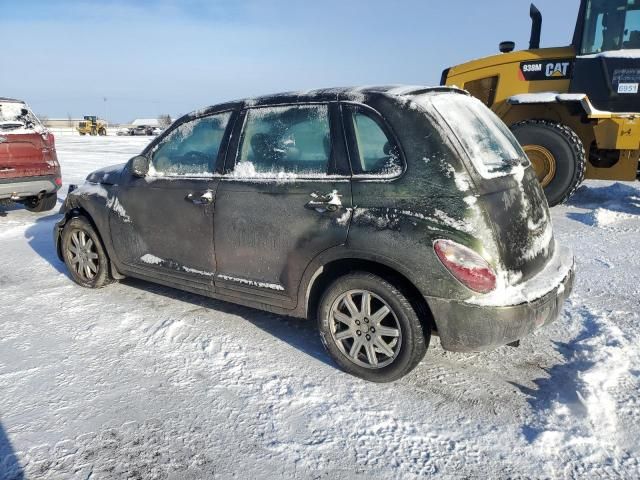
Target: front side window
{"x": 489, "y": 143}
{"x": 377, "y": 153}
{"x": 611, "y": 25}
{"x": 192, "y": 148}
{"x": 285, "y": 141}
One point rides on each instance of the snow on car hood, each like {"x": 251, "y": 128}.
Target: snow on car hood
{"x": 108, "y": 175}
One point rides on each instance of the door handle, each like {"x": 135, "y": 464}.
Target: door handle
{"x": 324, "y": 203}
{"x": 205, "y": 199}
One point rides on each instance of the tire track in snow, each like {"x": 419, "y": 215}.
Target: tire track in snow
{"x": 577, "y": 408}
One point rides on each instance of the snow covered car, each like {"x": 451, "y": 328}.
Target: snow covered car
{"x": 29, "y": 169}
{"x": 123, "y": 132}
{"x": 389, "y": 214}
{"x": 141, "y": 130}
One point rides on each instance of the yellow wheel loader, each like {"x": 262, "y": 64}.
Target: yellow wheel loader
{"x": 574, "y": 109}
{"x": 91, "y": 125}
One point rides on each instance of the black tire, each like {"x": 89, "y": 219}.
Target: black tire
{"x": 102, "y": 132}
{"x": 102, "y": 276}
{"x": 44, "y": 204}
{"x": 408, "y": 347}
{"x": 82, "y": 134}
{"x": 567, "y": 149}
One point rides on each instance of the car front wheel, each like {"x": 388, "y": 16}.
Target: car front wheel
{"x": 84, "y": 254}
{"x": 370, "y": 328}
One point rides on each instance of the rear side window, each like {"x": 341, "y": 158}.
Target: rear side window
{"x": 192, "y": 148}
{"x": 490, "y": 144}
{"x": 278, "y": 141}
{"x": 376, "y": 153}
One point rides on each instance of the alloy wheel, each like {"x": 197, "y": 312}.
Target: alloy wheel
{"x": 83, "y": 255}
{"x": 365, "y": 329}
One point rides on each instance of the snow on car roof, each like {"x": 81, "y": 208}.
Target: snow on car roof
{"x": 321, "y": 94}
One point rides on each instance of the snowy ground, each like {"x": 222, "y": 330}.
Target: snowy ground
{"x": 141, "y": 381}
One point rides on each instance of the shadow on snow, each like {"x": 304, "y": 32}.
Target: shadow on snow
{"x": 618, "y": 197}
{"x": 10, "y": 468}
{"x": 563, "y": 383}
{"x": 299, "y": 333}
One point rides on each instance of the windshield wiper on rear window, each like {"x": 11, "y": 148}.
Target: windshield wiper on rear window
{"x": 9, "y": 125}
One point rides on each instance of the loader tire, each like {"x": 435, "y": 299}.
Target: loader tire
{"x": 557, "y": 156}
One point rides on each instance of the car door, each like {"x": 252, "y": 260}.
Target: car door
{"x": 162, "y": 224}
{"x": 285, "y": 199}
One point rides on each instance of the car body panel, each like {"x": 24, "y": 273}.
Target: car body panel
{"x": 267, "y": 249}
{"x": 144, "y": 239}
{"x": 28, "y": 156}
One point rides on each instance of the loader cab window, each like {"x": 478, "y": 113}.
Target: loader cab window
{"x": 611, "y": 25}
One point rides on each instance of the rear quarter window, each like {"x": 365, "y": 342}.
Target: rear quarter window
{"x": 491, "y": 146}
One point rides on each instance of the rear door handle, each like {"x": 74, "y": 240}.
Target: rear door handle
{"x": 205, "y": 199}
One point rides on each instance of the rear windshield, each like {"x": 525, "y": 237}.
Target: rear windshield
{"x": 490, "y": 144}
{"x": 12, "y": 116}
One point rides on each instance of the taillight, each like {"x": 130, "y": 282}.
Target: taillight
{"x": 468, "y": 267}
{"x": 58, "y": 181}
{"x": 49, "y": 139}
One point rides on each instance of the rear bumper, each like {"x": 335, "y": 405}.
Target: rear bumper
{"x": 19, "y": 188}
{"x": 469, "y": 327}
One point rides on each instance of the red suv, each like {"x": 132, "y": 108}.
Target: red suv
{"x": 29, "y": 168}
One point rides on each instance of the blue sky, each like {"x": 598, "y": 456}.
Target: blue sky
{"x": 151, "y": 57}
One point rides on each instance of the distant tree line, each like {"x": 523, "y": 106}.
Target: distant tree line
{"x": 164, "y": 120}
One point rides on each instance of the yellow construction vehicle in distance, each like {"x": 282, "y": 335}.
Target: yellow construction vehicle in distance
{"x": 91, "y": 125}
{"x": 574, "y": 109}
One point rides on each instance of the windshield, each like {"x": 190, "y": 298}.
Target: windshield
{"x": 489, "y": 143}
{"x": 611, "y": 25}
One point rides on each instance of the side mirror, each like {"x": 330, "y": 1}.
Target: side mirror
{"x": 139, "y": 166}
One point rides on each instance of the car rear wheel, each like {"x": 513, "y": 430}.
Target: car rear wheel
{"x": 44, "y": 204}
{"x": 84, "y": 254}
{"x": 557, "y": 156}
{"x": 370, "y": 328}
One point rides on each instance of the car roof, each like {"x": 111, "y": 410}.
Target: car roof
{"x": 357, "y": 94}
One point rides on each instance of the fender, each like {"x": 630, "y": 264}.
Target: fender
{"x": 342, "y": 252}
{"x": 90, "y": 206}
{"x": 578, "y": 102}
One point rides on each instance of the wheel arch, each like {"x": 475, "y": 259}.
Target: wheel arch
{"x": 321, "y": 276}
{"x": 80, "y": 211}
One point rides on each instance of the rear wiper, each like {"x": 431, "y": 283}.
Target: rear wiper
{"x": 10, "y": 125}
